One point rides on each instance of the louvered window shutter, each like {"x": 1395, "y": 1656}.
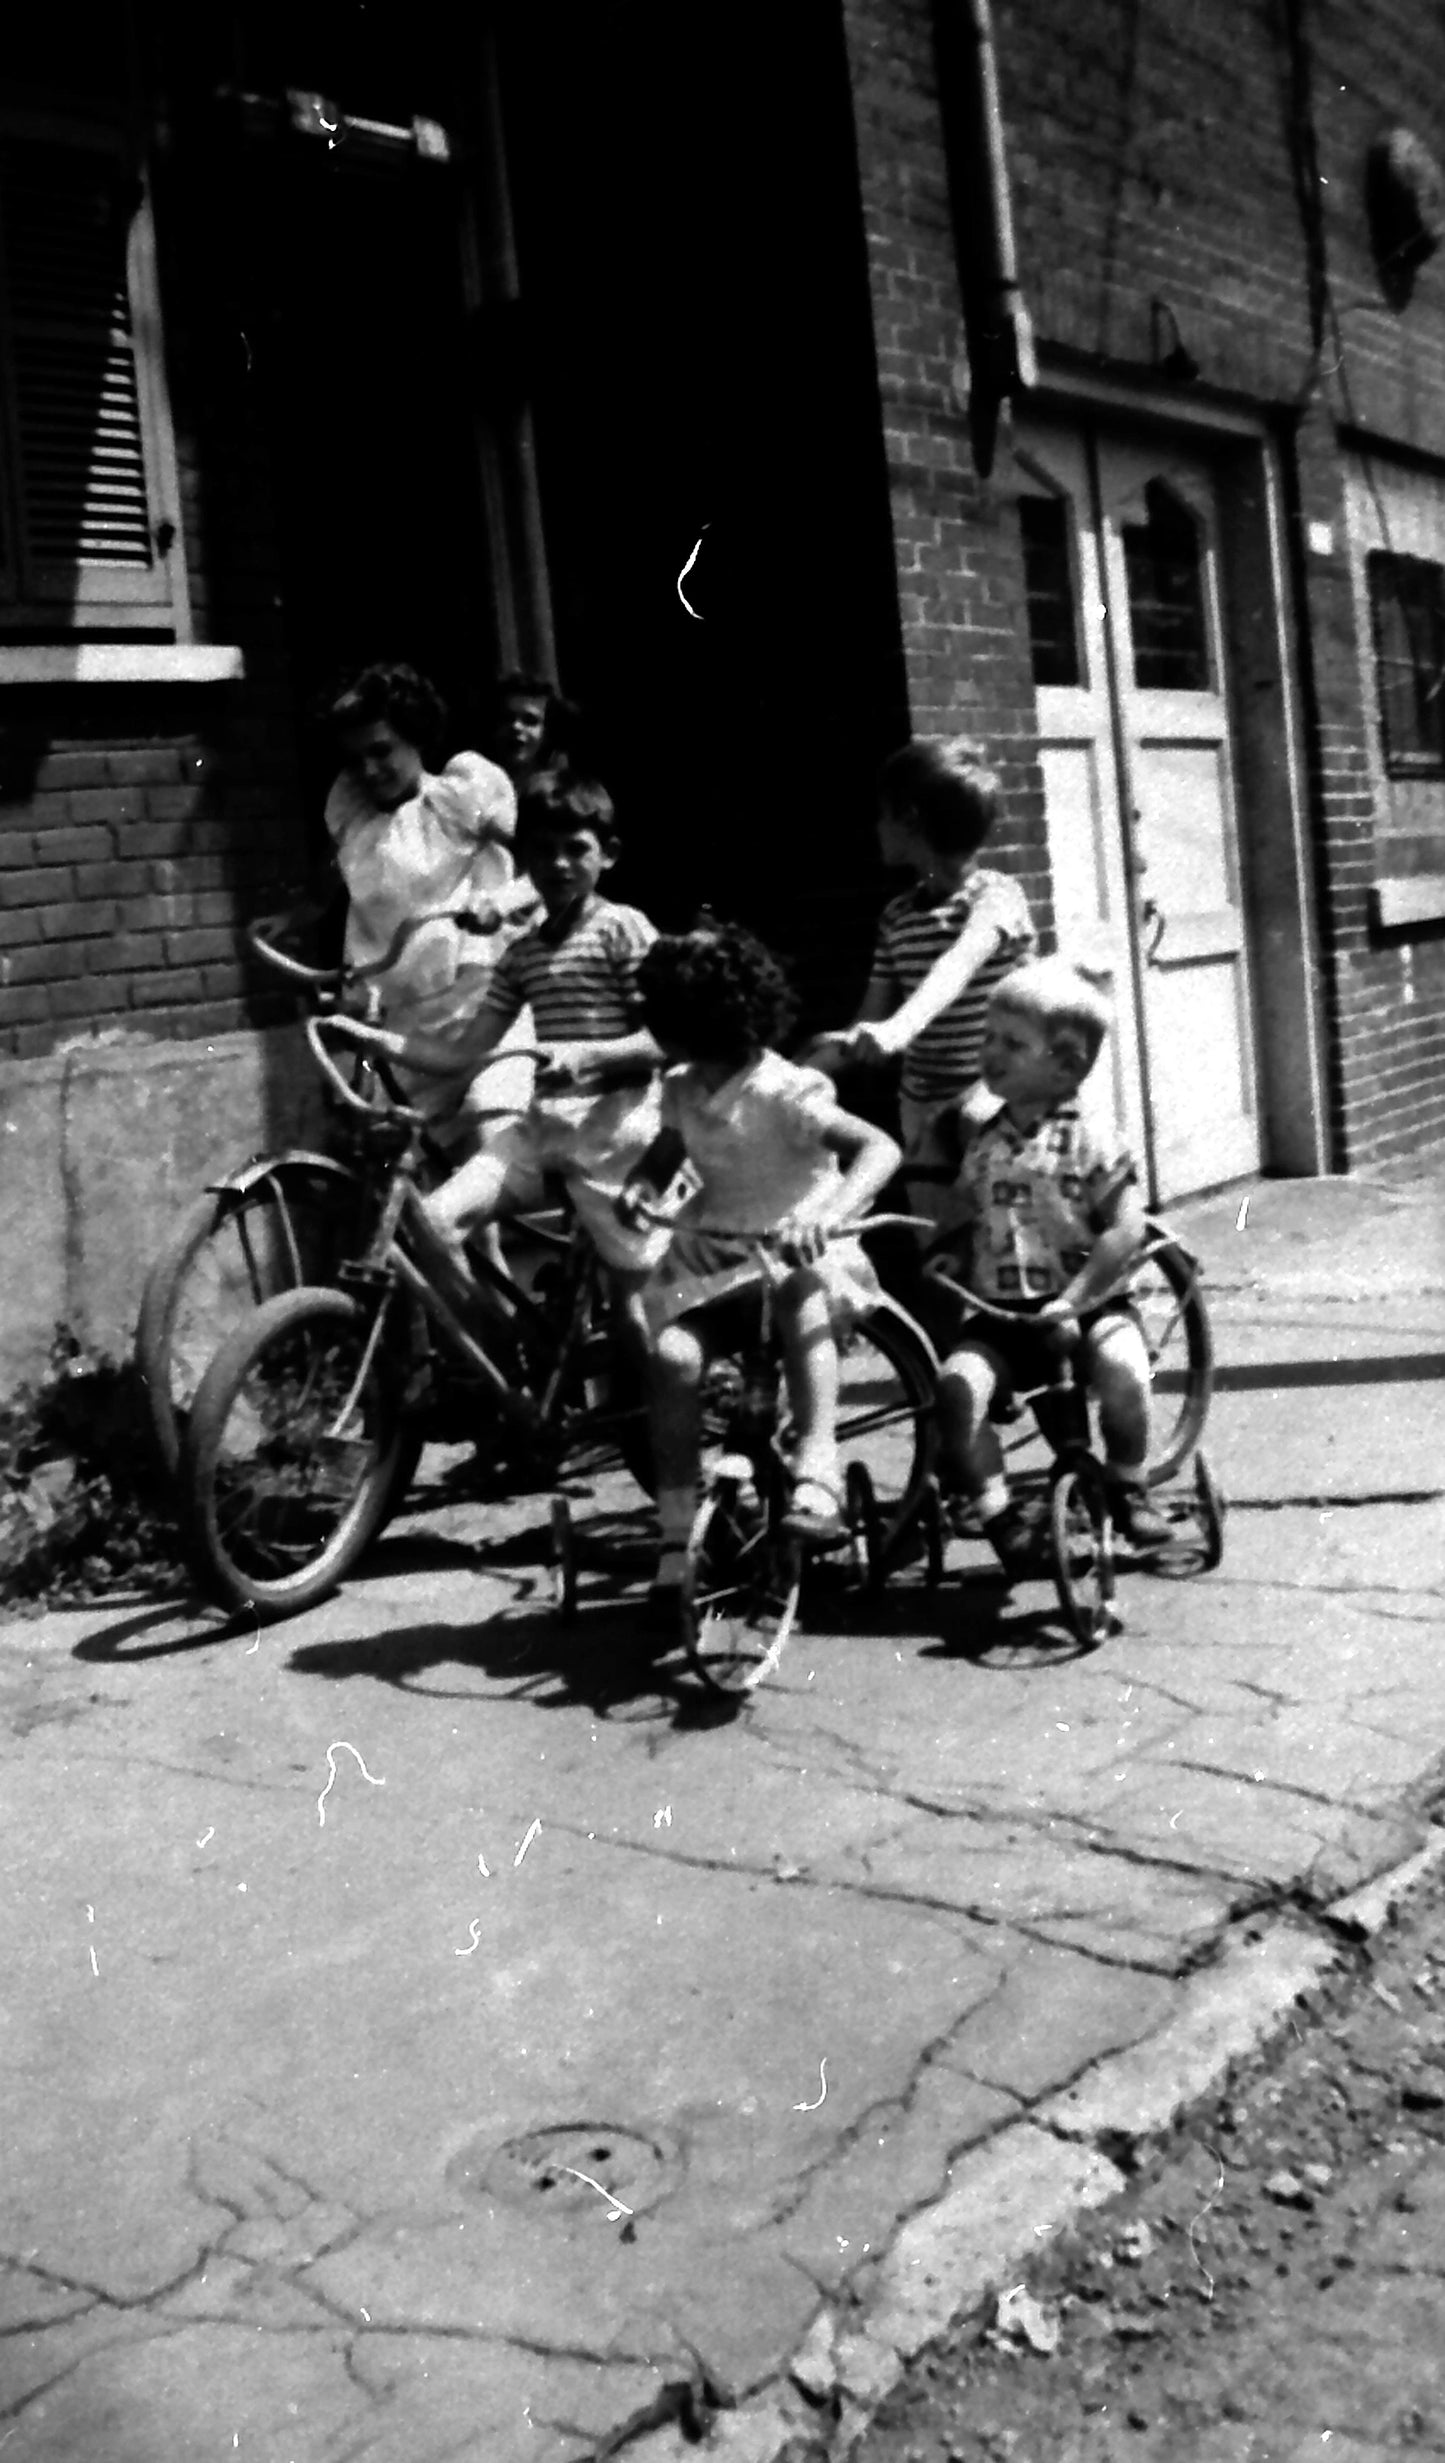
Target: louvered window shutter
{"x": 86, "y": 486}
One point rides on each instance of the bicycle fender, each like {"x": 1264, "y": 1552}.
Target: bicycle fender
{"x": 248, "y": 1176}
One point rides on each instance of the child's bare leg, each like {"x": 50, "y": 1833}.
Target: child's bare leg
{"x": 810, "y": 1370}
{"x": 973, "y": 1458}
{"x": 1118, "y": 1372}
{"x": 674, "y": 1381}
{"x": 971, "y": 1455}
{"x": 473, "y": 1196}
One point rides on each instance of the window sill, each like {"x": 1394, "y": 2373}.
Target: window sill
{"x": 1411, "y": 898}
{"x": 120, "y": 662}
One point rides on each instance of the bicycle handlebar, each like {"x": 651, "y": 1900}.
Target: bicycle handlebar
{"x": 264, "y": 931}
{"x": 768, "y": 1239}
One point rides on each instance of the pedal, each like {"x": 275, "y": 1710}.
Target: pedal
{"x": 365, "y": 1282}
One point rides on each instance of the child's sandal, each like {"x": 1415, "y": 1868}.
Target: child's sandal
{"x": 815, "y": 1513}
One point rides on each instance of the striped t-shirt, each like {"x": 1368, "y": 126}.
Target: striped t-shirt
{"x": 913, "y": 934}
{"x": 581, "y": 984}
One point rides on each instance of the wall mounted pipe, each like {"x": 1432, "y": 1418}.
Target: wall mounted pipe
{"x": 999, "y": 334}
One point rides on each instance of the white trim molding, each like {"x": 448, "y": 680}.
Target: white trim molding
{"x": 121, "y": 662}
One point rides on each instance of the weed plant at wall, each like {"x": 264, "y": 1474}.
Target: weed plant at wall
{"x": 84, "y": 1509}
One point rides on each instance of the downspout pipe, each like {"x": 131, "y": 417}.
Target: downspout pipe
{"x": 998, "y": 331}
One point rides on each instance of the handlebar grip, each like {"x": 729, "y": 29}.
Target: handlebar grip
{"x": 259, "y": 940}
{"x": 393, "y": 1108}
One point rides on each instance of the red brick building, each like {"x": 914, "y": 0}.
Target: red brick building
{"x": 329, "y": 332}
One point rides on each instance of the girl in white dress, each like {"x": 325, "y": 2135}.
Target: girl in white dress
{"x": 772, "y": 1156}
{"x": 410, "y": 842}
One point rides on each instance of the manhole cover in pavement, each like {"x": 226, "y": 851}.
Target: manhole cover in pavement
{"x": 574, "y": 2164}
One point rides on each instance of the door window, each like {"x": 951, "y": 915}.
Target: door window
{"x": 1045, "y": 527}
{"x": 1163, "y": 562}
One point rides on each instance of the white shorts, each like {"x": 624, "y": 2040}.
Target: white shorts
{"x": 591, "y": 1143}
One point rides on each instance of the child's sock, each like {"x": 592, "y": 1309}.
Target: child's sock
{"x": 992, "y": 1499}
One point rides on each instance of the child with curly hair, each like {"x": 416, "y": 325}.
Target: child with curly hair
{"x": 774, "y": 1157}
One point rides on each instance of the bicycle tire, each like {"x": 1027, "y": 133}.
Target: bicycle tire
{"x": 232, "y": 1248}
{"x": 280, "y": 1502}
{"x": 1180, "y": 1342}
{"x": 740, "y": 1593}
{"x": 1082, "y": 1549}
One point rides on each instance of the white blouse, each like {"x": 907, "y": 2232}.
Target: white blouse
{"x": 435, "y": 851}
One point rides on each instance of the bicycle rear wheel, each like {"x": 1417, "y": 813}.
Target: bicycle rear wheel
{"x": 1167, "y": 1294}
{"x": 295, "y": 1452}
{"x": 232, "y": 1249}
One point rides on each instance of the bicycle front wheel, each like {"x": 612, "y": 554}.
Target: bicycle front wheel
{"x": 232, "y": 1249}
{"x": 294, "y": 1453}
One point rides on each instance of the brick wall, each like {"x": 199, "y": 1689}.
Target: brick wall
{"x": 1213, "y": 158}
{"x": 959, "y": 578}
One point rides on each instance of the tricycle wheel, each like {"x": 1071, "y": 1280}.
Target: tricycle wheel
{"x": 1082, "y": 1541}
{"x": 740, "y": 1594}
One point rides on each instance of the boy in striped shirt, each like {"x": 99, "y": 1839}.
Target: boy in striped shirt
{"x": 594, "y": 1112}
{"x": 942, "y": 945}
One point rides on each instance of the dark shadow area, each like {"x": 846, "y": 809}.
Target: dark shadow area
{"x": 600, "y": 1662}
{"x": 1335, "y": 1501}
{"x": 1380, "y": 1368}
{"x": 110, "y": 1646}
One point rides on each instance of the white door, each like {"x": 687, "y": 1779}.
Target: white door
{"x": 1121, "y": 558}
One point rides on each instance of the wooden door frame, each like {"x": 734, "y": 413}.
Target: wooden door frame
{"x": 1260, "y": 625}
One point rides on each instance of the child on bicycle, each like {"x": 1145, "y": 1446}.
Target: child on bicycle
{"x": 942, "y": 945}
{"x": 774, "y": 1159}
{"x": 1055, "y": 1220}
{"x": 594, "y": 1112}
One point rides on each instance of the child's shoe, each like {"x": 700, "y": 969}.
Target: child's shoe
{"x": 1017, "y": 1539}
{"x": 1137, "y": 1522}
{"x": 815, "y": 1513}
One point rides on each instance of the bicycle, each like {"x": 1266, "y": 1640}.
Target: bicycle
{"x": 309, "y": 1421}
{"x": 741, "y": 1593}
{"x": 273, "y": 1224}
{"x": 1081, "y": 1539}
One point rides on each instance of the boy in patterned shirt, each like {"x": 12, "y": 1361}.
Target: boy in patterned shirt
{"x": 1055, "y": 1220}
{"x": 594, "y": 1112}
{"x": 942, "y": 945}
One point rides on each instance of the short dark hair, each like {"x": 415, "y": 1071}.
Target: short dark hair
{"x": 947, "y": 791}
{"x": 396, "y": 695}
{"x": 559, "y": 798}
{"x": 716, "y": 993}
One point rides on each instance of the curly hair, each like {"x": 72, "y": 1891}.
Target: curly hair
{"x": 396, "y": 695}
{"x": 715, "y": 993}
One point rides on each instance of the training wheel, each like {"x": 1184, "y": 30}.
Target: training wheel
{"x": 1209, "y": 1513}
{"x": 865, "y": 1526}
{"x": 564, "y": 1560}
{"x": 1081, "y": 1538}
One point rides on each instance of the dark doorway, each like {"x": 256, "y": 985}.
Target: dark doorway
{"x": 703, "y": 375}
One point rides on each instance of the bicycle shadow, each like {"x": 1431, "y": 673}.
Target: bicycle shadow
{"x": 601, "y": 1661}
{"x": 990, "y": 1631}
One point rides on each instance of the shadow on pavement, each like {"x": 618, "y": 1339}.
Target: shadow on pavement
{"x": 600, "y": 1660}
{"x": 109, "y": 1645}
{"x": 1381, "y": 1368}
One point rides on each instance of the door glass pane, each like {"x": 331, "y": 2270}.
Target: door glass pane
{"x": 1164, "y": 562}
{"x": 1049, "y": 582}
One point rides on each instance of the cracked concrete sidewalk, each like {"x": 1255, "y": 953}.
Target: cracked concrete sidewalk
{"x": 446, "y": 2097}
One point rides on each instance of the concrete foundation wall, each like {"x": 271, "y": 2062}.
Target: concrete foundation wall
{"x": 100, "y": 1148}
